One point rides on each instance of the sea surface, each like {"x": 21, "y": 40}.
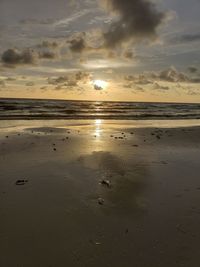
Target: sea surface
{"x": 64, "y": 109}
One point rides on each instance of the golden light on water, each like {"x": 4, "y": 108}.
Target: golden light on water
{"x": 98, "y": 122}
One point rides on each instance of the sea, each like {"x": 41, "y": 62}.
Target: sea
{"x": 67, "y": 109}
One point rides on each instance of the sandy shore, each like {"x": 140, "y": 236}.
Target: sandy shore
{"x": 99, "y": 194}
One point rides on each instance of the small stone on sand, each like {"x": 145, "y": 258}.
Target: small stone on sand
{"x": 101, "y": 201}
{"x": 21, "y": 182}
{"x": 105, "y": 183}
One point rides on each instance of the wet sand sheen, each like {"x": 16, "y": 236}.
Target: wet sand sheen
{"x": 99, "y": 195}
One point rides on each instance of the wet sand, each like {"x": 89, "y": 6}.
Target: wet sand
{"x": 99, "y": 194}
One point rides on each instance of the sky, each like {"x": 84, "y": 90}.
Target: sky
{"x": 116, "y": 50}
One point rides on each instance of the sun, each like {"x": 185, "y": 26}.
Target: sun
{"x": 99, "y": 84}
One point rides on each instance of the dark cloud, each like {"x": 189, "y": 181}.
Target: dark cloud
{"x": 14, "y": 56}
{"x": 78, "y": 43}
{"x": 138, "y": 20}
{"x": 192, "y": 69}
{"x": 172, "y": 75}
{"x": 30, "y": 84}
{"x": 134, "y": 88}
{"x": 195, "y": 80}
{"x": 169, "y": 75}
{"x": 47, "y": 55}
{"x": 70, "y": 80}
{"x": 82, "y": 76}
{"x": 141, "y": 79}
{"x": 129, "y": 78}
{"x": 44, "y": 88}
{"x": 58, "y": 87}
{"x": 45, "y": 50}
{"x": 48, "y": 44}
{"x": 128, "y": 55}
{"x": 71, "y": 83}
{"x": 11, "y": 79}
{"x": 58, "y": 80}
{"x": 160, "y": 87}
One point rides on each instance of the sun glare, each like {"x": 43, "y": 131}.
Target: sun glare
{"x": 99, "y": 84}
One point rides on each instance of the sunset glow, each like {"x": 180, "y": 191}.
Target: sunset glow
{"x": 100, "y": 84}
{"x": 99, "y": 133}
{"x": 89, "y": 50}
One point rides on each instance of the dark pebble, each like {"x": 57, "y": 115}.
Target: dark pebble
{"x": 21, "y": 182}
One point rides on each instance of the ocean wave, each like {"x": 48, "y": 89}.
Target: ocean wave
{"x": 56, "y": 109}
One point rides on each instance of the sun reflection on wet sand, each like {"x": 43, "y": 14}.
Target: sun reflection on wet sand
{"x": 98, "y": 130}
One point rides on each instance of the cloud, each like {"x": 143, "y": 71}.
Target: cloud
{"x": 193, "y": 92}
{"x": 129, "y": 85}
{"x": 44, "y": 88}
{"x": 82, "y": 76}
{"x": 195, "y": 80}
{"x": 58, "y": 80}
{"x": 141, "y": 79}
{"x": 128, "y": 54}
{"x": 47, "y": 55}
{"x": 14, "y": 57}
{"x": 47, "y": 50}
{"x": 32, "y": 21}
{"x": 192, "y": 69}
{"x": 66, "y": 21}
{"x": 186, "y": 38}
{"x": 139, "y": 89}
{"x": 171, "y": 75}
{"x": 70, "y": 80}
{"x": 62, "y": 82}
{"x": 158, "y": 86}
{"x": 30, "y": 84}
{"x": 58, "y": 87}
{"x": 48, "y": 44}
{"x": 78, "y": 43}
{"x": 134, "y": 21}
{"x": 134, "y": 88}
{"x": 11, "y": 79}
{"x": 31, "y": 55}
{"x": 72, "y": 83}
{"x": 137, "y": 20}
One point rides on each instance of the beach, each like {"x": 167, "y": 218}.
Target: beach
{"x": 99, "y": 193}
